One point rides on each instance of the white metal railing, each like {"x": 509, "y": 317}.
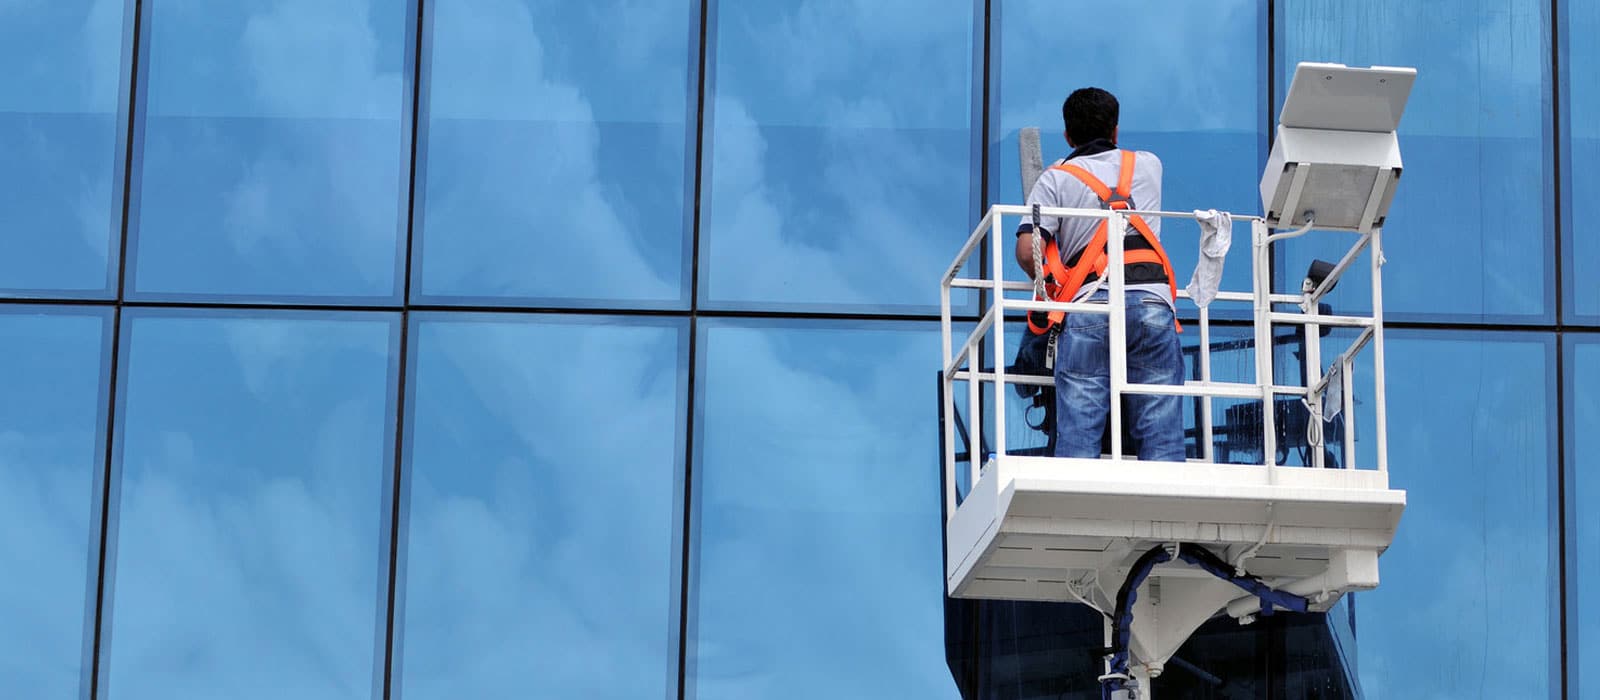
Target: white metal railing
{"x": 960, "y": 364}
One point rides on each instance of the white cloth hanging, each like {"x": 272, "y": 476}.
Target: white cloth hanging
{"x": 1216, "y": 236}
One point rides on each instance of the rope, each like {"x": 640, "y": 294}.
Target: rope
{"x": 1038, "y": 257}
{"x": 1314, "y": 423}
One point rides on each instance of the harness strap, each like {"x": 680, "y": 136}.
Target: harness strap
{"x": 1064, "y": 282}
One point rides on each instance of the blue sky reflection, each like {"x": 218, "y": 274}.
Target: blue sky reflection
{"x": 1471, "y": 438}
{"x": 552, "y": 170}
{"x": 544, "y": 515}
{"x": 272, "y": 163}
{"x": 51, "y": 446}
{"x": 839, "y": 165}
{"x": 250, "y": 541}
{"x": 817, "y": 564}
{"x": 59, "y": 107}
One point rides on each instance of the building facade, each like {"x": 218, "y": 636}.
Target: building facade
{"x": 532, "y": 348}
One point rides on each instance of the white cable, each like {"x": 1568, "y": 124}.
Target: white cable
{"x": 1238, "y": 562}
{"x": 1072, "y": 587}
{"x": 1303, "y": 230}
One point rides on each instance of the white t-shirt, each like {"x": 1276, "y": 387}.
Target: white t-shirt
{"x": 1058, "y": 188}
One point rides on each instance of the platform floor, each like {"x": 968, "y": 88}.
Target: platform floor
{"x": 1031, "y": 524}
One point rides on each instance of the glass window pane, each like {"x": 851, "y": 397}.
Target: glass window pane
{"x": 1194, "y": 98}
{"x": 251, "y": 543}
{"x": 553, "y": 168}
{"x": 53, "y": 368}
{"x": 1472, "y": 441}
{"x": 839, "y": 170}
{"x": 544, "y": 519}
{"x": 817, "y": 543}
{"x": 60, "y": 101}
{"x": 1583, "y": 489}
{"x": 1580, "y": 96}
{"x": 273, "y": 162}
{"x": 1468, "y": 234}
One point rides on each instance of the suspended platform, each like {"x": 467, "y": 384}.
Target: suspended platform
{"x": 1177, "y": 543}
{"x": 1160, "y": 547}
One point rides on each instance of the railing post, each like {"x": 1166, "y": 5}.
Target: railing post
{"x": 947, "y": 403}
{"x": 1312, "y": 333}
{"x": 997, "y": 264}
{"x": 1380, "y": 408}
{"x": 1116, "y": 228}
{"x": 1206, "y": 439}
{"x": 975, "y": 412}
{"x": 1349, "y": 411}
{"x": 1261, "y": 284}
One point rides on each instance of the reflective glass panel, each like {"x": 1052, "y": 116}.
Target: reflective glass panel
{"x": 60, "y": 98}
{"x": 251, "y": 544}
{"x": 838, "y": 166}
{"x": 816, "y": 550}
{"x": 1193, "y": 97}
{"x": 52, "y": 427}
{"x": 273, "y": 158}
{"x": 1580, "y": 98}
{"x": 1472, "y": 441}
{"x": 1583, "y": 530}
{"x": 556, "y": 169}
{"x": 1468, "y": 236}
{"x": 543, "y": 526}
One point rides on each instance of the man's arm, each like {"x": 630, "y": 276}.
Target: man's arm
{"x": 1025, "y": 252}
{"x": 1044, "y": 195}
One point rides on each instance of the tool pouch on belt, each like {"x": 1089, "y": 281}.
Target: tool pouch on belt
{"x": 1035, "y": 356}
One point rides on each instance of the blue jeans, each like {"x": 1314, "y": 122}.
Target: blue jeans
{"x": 1083, "y": 380}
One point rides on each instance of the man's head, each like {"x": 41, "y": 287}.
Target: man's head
{"x": 1089, "y": 113}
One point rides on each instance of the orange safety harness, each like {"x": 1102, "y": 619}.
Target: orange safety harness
{"x": 1063, "y": 280}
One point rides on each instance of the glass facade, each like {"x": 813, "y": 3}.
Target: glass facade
{"x": 477, "y": 348}
{"x": 53, "y": 364}
{"x": 826, "y": 186}
{"x": 1580, "y": 102}
{"x": 63, "y": 102}
{"x": 537, "y": 542}
{"x": 271, "y": 151}
{"x": 1582, "y": 356}
{"x": 550, "y": 172}
{"x": 252, "y": 466}
{"x": 1471, "y": 236}
{"x": 839, "y": 398}
{"x": 1470, "y": 548}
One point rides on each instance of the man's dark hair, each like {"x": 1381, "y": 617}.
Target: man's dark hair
{"x": 1090, "y": 113}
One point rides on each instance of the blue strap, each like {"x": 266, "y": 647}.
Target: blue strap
{"x": 1122, "y": 623}
{"x": 1270, "y": 598}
